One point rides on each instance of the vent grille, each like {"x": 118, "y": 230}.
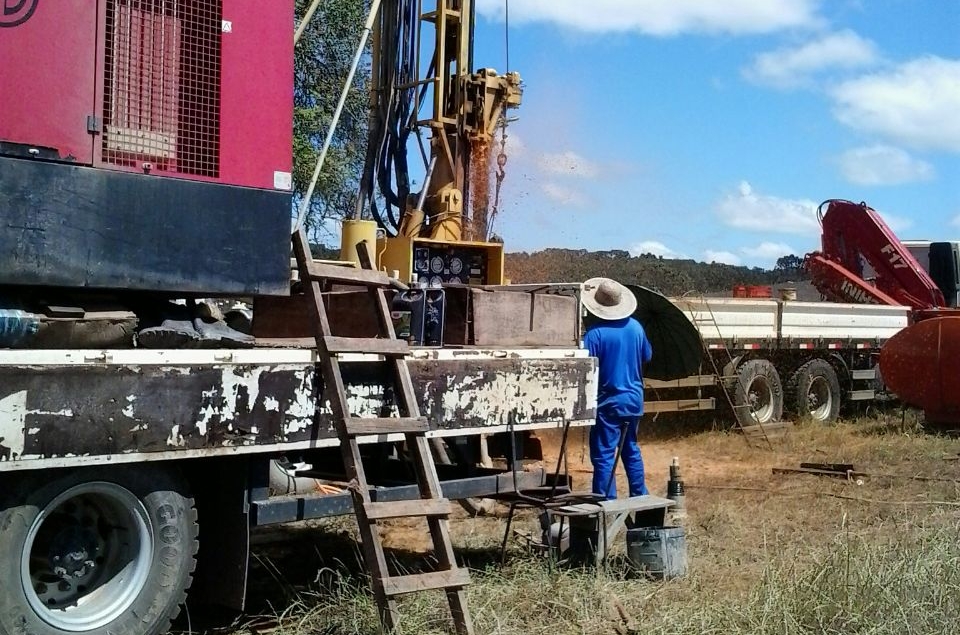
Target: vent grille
{"x": 162, "y": 85}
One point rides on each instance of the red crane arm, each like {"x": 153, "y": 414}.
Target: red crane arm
{"x": 853, "y": 233}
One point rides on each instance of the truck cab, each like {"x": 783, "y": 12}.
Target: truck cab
{"x": 941, "y": 260}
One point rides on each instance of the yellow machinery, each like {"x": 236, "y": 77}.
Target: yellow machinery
{"x": 441, "y": 232}
{"x": 442, "y": 261}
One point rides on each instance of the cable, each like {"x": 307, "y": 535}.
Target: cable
{"x": 506, "y": 32}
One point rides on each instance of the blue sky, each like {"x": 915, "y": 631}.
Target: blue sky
{"x": 712, "y": 130}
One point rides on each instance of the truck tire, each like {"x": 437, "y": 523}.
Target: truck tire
{"x": 758, "y": 393}
{"x": 814, "y": 391}
{"x": 97, "y": 551}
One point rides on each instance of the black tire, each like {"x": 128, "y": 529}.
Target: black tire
{"x": 123, "y": 539}
{"x": 814, "y": 392}
{"x": 758, "y": 393}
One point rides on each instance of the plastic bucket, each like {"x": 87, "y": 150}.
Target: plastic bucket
{"x": 658, "y": 552}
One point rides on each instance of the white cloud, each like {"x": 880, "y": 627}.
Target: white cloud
{"x": 895, "y": 222}
{"x": 754, "y": 212}
{"x": 883, "y": 165}
{"x": 915, "y": 103}
{"x": 723, "y": 257}
{"x": 567, "y": 163}
{"x": 563, "y": 194}
{"x": 654, "y": 247}
{"x": 793, "y": 66}
{"x": 768, "y": 251}
{"x": 660, "y": 17}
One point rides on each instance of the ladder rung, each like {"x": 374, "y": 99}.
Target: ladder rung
{"x": 347, "y": 275}
{"x": 454, "y": 578}
{"x": 408, "y": 508}
{"x": 378, "y": 345}
{"x": 358, "y": 426}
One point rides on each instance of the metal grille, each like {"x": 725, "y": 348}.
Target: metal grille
{"x": 162, "y": 85}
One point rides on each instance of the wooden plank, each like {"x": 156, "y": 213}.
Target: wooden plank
{"x": 380, "y": 346}
{"x": 409, "y": 508}
{"x": 694, "y": 381}
{"x": 512, "y": 318}
{"x": 347, "y": 275}
{"x": 616, "y": 506}
{"x": 678, "y": 405}
{"x": 401, "y": 585}
{"x": 357, "y": 426}
{"x": 773, "y": 430}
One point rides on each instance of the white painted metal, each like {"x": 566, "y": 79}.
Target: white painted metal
{"x": 254, "y": 356}
{"x": 760, "y": 319}
{"x": 276, "y": 448}
{"x": 729, "y": 318}
{"x": 829, "y": 321}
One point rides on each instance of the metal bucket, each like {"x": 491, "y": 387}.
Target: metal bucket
{"x": 658, "y": 552}
{"x": 788, "y": 294}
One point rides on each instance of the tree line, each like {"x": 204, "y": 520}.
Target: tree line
{"x": 667, "y": 275}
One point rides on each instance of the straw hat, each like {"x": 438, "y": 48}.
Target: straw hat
{"x": 608, "y": 299}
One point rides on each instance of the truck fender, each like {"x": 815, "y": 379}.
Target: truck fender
{"x": 843, "y": 369}
{"x": 729, "y": 376}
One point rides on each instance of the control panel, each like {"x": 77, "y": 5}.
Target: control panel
{"x": 449, "y": 265}
{"x": 437, "y": 262}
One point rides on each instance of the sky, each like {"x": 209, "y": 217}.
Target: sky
{"x": 713, "y": 130}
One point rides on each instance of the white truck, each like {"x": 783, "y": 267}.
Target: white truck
{"x": 764, "y": 357}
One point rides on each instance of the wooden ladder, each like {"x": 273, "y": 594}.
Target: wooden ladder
{"x": 431, "y": 504}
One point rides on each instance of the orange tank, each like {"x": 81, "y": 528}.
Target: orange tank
{"x": 921, "y": 365}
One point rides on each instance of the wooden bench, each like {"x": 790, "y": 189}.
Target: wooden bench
{"x": 585, "y": 520}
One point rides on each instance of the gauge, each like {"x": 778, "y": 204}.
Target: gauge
{"x": 454, "y": 279}
{"x": 456, "y": 265}
{"x": 436, "y": 264}
{"x": 436, "y": 281}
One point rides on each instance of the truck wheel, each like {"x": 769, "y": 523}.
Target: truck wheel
{"x": 95, "y": 551}
{"x": 814, "y": 391}
{"x": 758, "y": 394}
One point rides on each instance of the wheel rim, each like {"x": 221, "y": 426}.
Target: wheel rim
{"x": 819, "y": 398}
{"x": 760, "y": 399}
{"x": 87, "y": 557}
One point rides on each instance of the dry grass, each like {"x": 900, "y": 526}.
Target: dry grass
{"x": 768, "y": 553}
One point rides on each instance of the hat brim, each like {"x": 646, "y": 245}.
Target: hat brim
{"x": 623, "y": 309}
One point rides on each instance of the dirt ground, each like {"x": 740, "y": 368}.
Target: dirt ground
{"x": 743, "y": 520}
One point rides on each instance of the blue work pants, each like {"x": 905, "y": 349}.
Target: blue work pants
{"x": 604, "y": 440}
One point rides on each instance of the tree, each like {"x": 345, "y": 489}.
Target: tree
{"x": 789, "y": 267}
{"x": 321, "y": 65}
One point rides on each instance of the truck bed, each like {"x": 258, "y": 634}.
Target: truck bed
{"x": 74, "y": 407}
{"x": 762, "y": 323}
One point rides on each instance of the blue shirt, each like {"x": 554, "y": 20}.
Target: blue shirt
{"x": 621, "y": 347}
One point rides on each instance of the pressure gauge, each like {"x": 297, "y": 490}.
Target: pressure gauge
{"x": 436, "y": 281}
{"x": 456, "y": 265}
{"x": 436, "y": 264}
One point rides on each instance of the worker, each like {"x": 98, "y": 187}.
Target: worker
{"x": 621, "y": 347}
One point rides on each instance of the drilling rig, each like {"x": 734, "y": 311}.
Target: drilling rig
{"x": 439, "y": 233}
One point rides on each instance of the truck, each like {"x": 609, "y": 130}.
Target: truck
{"x": 146, "y": 425}
{"x": 765, "y": 358}
{"x": 887, "y": 328}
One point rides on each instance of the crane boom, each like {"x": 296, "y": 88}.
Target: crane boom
{"x": 854, "y": 234}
